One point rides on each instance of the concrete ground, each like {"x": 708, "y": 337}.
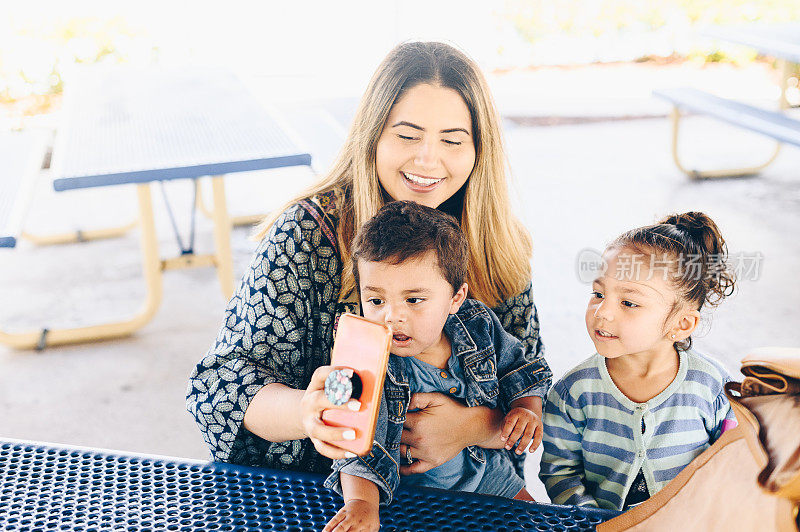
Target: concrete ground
{"x": 575, "y": 186}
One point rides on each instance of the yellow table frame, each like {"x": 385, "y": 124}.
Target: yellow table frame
{"x": 73, "y": 237}
{"x": 675, "y": 116}
{"x": 152, "y": 267}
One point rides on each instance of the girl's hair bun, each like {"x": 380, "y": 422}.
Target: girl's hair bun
{"x": 705, "y": 237}
{"x": 691, "y": 223}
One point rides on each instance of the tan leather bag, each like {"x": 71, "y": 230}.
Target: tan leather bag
{"x": 750, "y": 478}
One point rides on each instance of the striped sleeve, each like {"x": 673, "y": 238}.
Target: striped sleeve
{"x": 562, "y": 468}
{"x": 724, "y": 416}
{"x": 714, "y": 376}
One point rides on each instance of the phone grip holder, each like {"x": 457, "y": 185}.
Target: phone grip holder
{"x": 343, "y": 385}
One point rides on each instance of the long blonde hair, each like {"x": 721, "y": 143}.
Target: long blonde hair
{"x": 500, "y": 246}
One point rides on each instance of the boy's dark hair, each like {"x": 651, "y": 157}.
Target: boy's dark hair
{"x": 404, "y": 230}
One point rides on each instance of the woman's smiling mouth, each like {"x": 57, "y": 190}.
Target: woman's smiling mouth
{"x": 420, "y": 183}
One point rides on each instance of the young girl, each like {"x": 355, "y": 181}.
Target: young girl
{"x": 626, "y": 421}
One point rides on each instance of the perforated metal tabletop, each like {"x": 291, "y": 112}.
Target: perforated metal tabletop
{"x": 139, "y": 125}
{"x": 49, "y": 487}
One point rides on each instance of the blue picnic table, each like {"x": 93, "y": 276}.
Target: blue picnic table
{"x": 56, "y": 487}
{"x": 140, "y": 126}
{"x": 21, "y": 155}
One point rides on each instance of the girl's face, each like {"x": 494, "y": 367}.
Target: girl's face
{"x": 629, "y": 306}
{"x": 426, "y": 151}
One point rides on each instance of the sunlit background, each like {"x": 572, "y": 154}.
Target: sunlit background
{"x": 586, "y": 66}
{"x": 308, "y": 49}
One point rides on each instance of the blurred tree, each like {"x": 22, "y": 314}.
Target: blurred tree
{"x": 34, "y": 58}
{"x": 650, "y": 27}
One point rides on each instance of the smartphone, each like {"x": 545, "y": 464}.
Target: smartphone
{"x": 363, "y": 346}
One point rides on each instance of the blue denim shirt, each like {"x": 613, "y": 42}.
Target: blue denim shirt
{"x": 497, "y": 371}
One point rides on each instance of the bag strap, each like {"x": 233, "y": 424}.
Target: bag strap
{"x": 668, "y": 502}
{"x": 321, "y": 219}
{"x": 748, "y": 422}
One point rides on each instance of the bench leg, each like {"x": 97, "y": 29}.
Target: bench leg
{"x": 248, "y": 219}
{"x": 152, "y": 274}
{"x": 79, "y": 236}
{"x": 712, "y": 174}
{"x": 222, "y": 237}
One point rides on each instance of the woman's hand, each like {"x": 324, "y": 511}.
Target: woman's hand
{"x": 312, "y": 404}
{"x": 442, "y": 428}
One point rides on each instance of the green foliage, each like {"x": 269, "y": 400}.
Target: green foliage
{"x": 537, "y": 20}
{"x": 34, "y": 58}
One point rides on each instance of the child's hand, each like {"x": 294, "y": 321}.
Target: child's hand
{"x": 355, "y": 515}
{"x": 521, "y": 424}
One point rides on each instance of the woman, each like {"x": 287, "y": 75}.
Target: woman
{"x": 427, "y": 131}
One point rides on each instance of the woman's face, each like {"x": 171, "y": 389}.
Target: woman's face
{"x": 426, "y": 150}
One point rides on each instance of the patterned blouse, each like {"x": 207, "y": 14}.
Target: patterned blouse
{"x": 279, "y": 327}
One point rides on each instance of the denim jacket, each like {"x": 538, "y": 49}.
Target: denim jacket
{"x": 496, "y": 369}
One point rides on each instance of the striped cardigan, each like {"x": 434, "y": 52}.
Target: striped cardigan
{"x": 593, "y": 440}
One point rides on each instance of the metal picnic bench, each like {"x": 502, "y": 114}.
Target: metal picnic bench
{"x": 781, "y": 42}
{"x": 21, "y": 155}
{"x": 141, "y": 126}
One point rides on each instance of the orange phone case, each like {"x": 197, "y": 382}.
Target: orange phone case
{"x": 363, "y": 346}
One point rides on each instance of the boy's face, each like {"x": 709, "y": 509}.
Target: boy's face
{"x": 413, "y": 298}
